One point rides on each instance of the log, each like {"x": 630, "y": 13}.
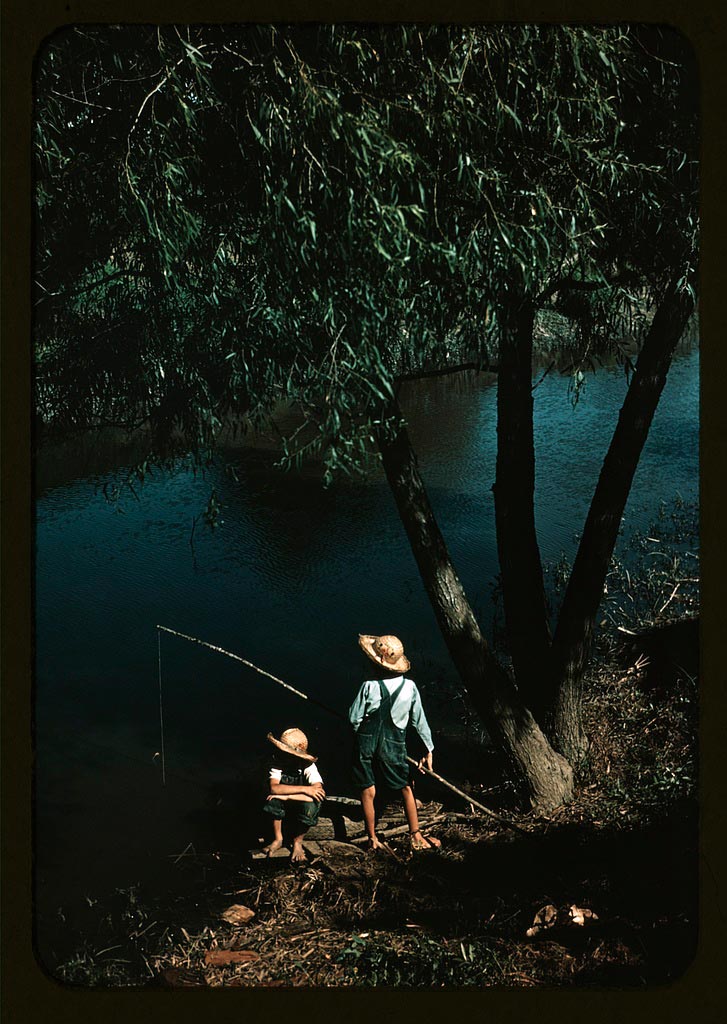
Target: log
{"x": 331, "y": 846}
{"x": 397, "y": 830}
{"x": 340, "y": 828}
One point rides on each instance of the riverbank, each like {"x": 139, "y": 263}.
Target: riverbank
{"x": 285, "y": 558}
{"x": 625, "y": 850}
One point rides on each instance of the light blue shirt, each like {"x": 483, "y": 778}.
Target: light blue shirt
{"x": 407, "y": 706}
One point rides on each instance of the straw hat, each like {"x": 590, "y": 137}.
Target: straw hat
{"x": 295, "y": 742}
{"x": 387, "y": 651}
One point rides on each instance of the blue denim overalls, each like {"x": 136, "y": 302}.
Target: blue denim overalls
{"x": 381, "y": 745}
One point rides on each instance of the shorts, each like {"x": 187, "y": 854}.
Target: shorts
{"x": 385, "y": 755}
{"x": 302, "y": 812}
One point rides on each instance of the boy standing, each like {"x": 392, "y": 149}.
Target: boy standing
{"x": 296, "y": 791}
{"x": 380, "y": 714}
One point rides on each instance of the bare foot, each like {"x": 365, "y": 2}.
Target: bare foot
{"x": 420, "y": 842}
{"x": 374, "y": 844}
{"x": 272, "y": 847}
{"x": 298, "y": 853}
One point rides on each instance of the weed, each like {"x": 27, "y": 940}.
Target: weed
{"x": 421, "y": 961}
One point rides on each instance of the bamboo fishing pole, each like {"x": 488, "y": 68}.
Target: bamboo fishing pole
{"x": 324, "y": 707}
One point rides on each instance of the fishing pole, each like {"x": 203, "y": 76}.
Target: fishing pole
{"x": 324, "y": 707}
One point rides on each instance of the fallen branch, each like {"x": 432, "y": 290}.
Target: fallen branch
{"x": 391, "y": 853}
{"x": 184, "y": 853}
{"x": 398, "y": 830}
{"x": 470, "y": 799}
{"x": 457, "y": 816}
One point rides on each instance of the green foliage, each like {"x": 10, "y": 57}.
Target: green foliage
{"x": 643, "y": 756}
{"x": 120, "y": 961}
{"x": 229, "y": 217}
{"x": 90, "y": 969}
{"x": 655, "y": 576}
{"x": 421, "y": 961}
{"x": 660, "y": 579}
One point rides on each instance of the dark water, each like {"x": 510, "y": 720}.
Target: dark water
{"x": 288, "y": 581}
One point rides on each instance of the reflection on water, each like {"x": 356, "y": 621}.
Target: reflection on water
{"x": 288, "y": 580}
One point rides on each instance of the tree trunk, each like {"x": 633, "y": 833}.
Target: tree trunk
{"x": 574, "y": 633}
{"x": 521, "y": 572}
{"x": 548, "y": 776}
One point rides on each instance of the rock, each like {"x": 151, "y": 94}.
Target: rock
{"x": 546, "y": 917}
{"x": 549, "y": 916}
{"x": 581, "y": 915}
{"x": 237, "y": 914}
{"x": 261, "y": 855}
{"x": 665, "y": 651}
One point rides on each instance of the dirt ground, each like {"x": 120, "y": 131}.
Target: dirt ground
{"x": 454, "y": 917}
{"x": 613, "y": 874}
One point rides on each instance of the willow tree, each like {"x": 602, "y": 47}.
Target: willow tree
{"x": 231, "y": 217}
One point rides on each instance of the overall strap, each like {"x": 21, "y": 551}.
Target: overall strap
{"x": 398, "y": 690}
{"x": 384, "y": 695}
{"x": 387, "y": 699}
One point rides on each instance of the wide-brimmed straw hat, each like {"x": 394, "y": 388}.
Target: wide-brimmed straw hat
{"x": 387, "y": 651}
{"x": 295, "y": 742}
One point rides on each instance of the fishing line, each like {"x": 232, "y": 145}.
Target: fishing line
{"x": 161, "y": 707}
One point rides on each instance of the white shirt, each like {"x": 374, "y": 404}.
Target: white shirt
{"x": 408, "y": 704}
{"x": 310, "y": 773}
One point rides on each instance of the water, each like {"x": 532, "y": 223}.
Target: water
{"x": 288, "y": 581}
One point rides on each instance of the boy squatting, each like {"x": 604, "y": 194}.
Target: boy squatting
{"x": 296, "y": 791}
